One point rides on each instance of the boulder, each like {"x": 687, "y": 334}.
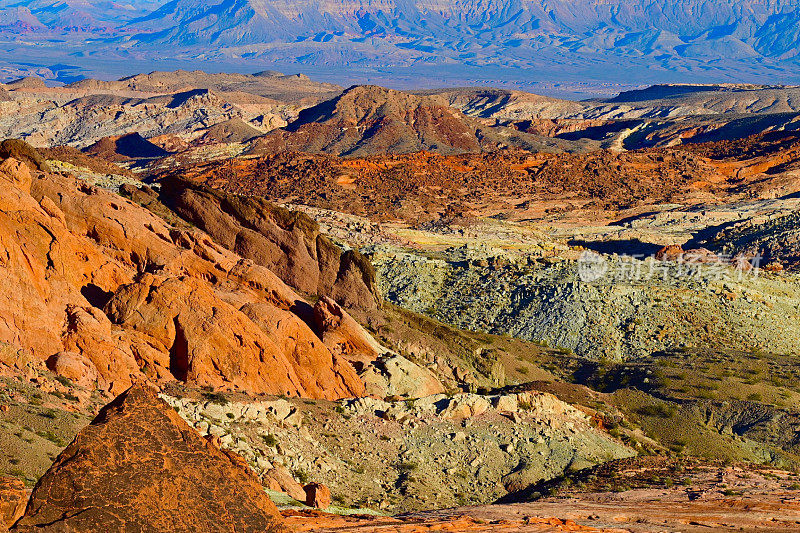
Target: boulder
{"x": 344, "y": 336}
{"x": 394, "y": 375}
{"x": 318, "y": 496}
{"x": 280, "y": 479}
{"x": 544, "y": 405}
{"x": 139, "y": 467}
{"x": 75, "y": 367}
{"x": 280, "y": 409}
{"x": 507, "y": 402}
{"x": 13, "y": 497}
{"x": 701, "y": 255}
{"x": 673, "y": 252}
{"x": 465, "y": 406}
{"x": 210, "y": 343}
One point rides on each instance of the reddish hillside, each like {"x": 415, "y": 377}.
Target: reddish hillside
{"x": 423, "y": 185}
{"x": 368, "y": 120}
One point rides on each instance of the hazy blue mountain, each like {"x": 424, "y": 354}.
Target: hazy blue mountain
{"x": 711, "y": 40}
{"x": 72, "y": 15}
{"x": 509, "y": 32}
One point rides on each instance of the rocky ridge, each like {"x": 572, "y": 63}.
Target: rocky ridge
{"x": 193, "y": 107}
{"x": 288, "y": 243}
{"x": 268, "y": 112}
{"x": 469, "y": 41}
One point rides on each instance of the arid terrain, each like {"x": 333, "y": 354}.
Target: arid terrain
{"x": 277, "y": 304}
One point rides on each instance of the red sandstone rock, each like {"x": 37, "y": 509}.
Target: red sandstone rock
{"x": 321, "y": 522}
{"x": 317, "y": 368}
{"x": 89, "y": 333}
{"x": 669, "y": 253}
{"x": 13, "y": 497}
{"x": 17, "y": 173}
{"x": 343, "y": 335}
{"x": 280, "y": 479}
{"x": 45, "y": 268}
{"x": 140, "y": 467}
{"x": 210, "y": 342}
{"x": 700, "y": 255}
{"x": 318, "y": 496}
{"x": 212, "y": 318}
{"x": 74, "y": 366}
{"x": 289, "y": 243}
{"x": 22, "y": 151}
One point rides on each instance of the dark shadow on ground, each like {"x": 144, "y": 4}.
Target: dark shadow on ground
{"x": 621, "y": 247}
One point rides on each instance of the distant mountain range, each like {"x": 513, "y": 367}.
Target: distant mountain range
{"x": 507, "y": 28}
{"x": 68, "y": 16}
{"x": 652, "y": 40}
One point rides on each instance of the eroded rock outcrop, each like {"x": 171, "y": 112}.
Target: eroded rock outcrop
{"x": 110, "y": 294}
{"x": 140, "y": 467}
{"x": 16, "y": 172}
{"x": 45, "y": 268}
{"x": 210, "y": 342}
{"x": 289, "y": 243}
{"x": 13, "y": 496}
{"x": 343, "y": 335}
{"x": 22, "y": 151}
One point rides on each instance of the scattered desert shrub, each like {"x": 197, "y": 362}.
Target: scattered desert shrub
{"x": 216, "y": 398}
